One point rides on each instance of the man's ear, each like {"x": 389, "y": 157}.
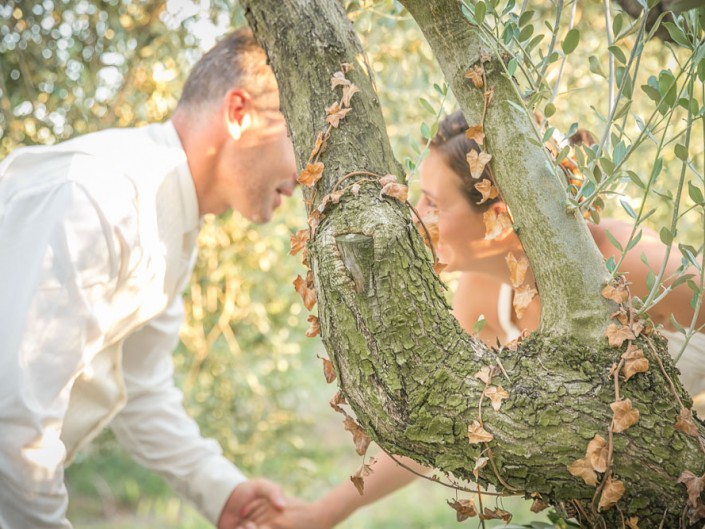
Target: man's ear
{"x": 238, "y": 111}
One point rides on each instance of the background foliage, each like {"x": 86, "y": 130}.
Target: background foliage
{"x": 68, "y": 67}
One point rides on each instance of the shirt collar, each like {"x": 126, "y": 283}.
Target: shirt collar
{"x": 187, "y": 189}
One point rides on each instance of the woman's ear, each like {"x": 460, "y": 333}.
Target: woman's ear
{"x": 500, "y": 207}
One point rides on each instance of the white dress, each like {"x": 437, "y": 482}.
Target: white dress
{"x": 691, "y": 363}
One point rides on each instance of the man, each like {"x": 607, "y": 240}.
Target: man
{"x": 98, "y": 238}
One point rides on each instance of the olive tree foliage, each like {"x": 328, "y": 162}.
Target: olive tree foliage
{"x": 609, "y": 446}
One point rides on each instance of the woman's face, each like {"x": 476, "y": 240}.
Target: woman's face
{"x": 461, "y": 230}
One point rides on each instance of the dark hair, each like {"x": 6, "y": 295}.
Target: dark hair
{"x": 237, "y": 60}
{"x": 451, "y": 143}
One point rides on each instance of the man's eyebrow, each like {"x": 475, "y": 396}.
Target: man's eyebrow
{"x": 426, "y": 192}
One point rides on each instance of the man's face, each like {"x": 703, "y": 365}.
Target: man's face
{"x": 261, "y": 166}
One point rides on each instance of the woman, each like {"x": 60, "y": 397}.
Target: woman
{"x": 448, "y": 193}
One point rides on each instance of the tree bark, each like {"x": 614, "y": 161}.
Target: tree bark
{"x": 404, "y": 364}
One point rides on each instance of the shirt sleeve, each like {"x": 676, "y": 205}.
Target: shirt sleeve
{"x": 155, "y": 428}
{"x": 55, "y": 264}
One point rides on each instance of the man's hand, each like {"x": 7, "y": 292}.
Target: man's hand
{"x": 233, "y": 517}
{"x": 297, "y": 514}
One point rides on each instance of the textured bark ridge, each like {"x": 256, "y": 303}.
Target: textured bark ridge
{"x": 403, "y": 362}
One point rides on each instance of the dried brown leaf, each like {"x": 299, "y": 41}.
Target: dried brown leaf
{"x": 298, "y": 241}
{"x": 634, "y": 362}
{"x": 360, "y": 438}
{"x": 632, "y": 522}
{"x": 484, "y": 374}
{"x": 319, "y": 145}
{"x": 517, "y": 269}
{"x": 624, "y": 415}
{"x": 307, "y": 294}
{"x": 335, "y": 117}
{"x": 617, "y": 334}
{"x": 694, "y": 485}
{"x": 328, "y": 370}
{"x": 611, "y": 494}
{"x": 496, "y": 394}
{"x": 684, "y": 423}
{"x": 313, "y": 219}
{"x": 487, "y": 190}
{"x": 616, "y": 292}
{"x": 538, "y": 505}
{"x": 475, "y": 75}
{"x": 484, "y": 56}
{"x": 348, "y": 92}
{"x": 394, "y": 190}
{"x": 355, "y": 189}
{"x": 387, "y": 179}
{"x": 337, "y": 400}
{"x": 522, "y": 298}
{"x": 311, "y": 174}
{"x": 477, "y": 434}
{"x": 358, "y": 478}
{"x": 495, "y": 223}
{"x": 496, "y": 514}
{"x": 476, "y": 133}
{"x": 438, "y": 267}
{"x": 346, "y": 67}
{"x": 597, "y": 453}
{"x": 464, "y": 509}
{"x": 338, "y": 79}
{"x": 477, "y": 162}
{"x": 315, "y": 328}
{"x": 480, "y": 463}
{"x": 582, "y": 468}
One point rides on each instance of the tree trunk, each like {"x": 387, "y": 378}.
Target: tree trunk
{"x": 403, "y": 362}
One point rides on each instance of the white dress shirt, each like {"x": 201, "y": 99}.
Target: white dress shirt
{"x": 97, "y": 241}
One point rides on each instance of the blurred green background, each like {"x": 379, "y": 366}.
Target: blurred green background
{"x": 249, "y": 375}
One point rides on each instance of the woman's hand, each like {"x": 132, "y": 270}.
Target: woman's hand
{"x": 297, "y": 514}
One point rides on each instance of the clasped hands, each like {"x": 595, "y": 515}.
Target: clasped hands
{"x": 260, "y": 504}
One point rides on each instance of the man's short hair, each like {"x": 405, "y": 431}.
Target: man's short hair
{"x": 237, "y": 60}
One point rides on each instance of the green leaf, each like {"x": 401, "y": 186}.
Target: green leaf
{"x": 479, "y": 324}
{"x": 595, "y": 66}
{"x": 549, "y": 110}
{"x": 619, "y": 152}
{"x": 618, "y": 53}
{"x": 614, "y": 242}
{"x": 526, "y": 17}
{"x": 547, "y": 135}
{"x": 677, "y": 34}
{"x": 426, "y": 105}
{"x": 633, "y": 242}
{"x": 644, "y": 259}
{"x": 526, "y": 32}
{"x": 607, "y": 165}
{"x": 534, "y": 42}
{"x": 666, "y": 236}
{"x": 667, "y": 87}
{"x": 650, "y": 280}
{"x": 562, "y": 154}
{"x": 480, "y": 12}
{"x": 434, "y": 129}
{"x": 696, "y": 194}
{"x": 635, "y": 178}
{"x": 628, "y": 208}
{"x": 675, "y": 323}
{"x": 512, "y": 66}
{"x": 611, "y": 264}
{"x": 617, "y": 24}
{"x": 571, "y": 41}
{"x": 425, "y": 131}
{"x": 681, "y": 151}
{"x": 652, "y": 92}
{"x": 572, "y": 129}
